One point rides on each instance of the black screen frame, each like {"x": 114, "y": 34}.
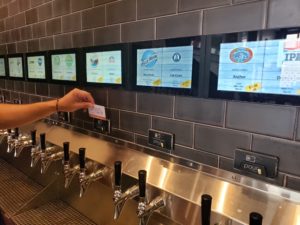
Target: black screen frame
{"x": 47, "y": 66}
{"x": 257, "y": 35}
{"x": 23, "y": 66}
{"x": 197, "y": 69}
{"x": 78, "y": 60}
{"x": 5, "y": 67}
{"x": 105, "y": 48}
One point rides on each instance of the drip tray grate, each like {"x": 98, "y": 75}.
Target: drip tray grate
{"x": 53, "y": 213}
{"x": 15, "y": 188}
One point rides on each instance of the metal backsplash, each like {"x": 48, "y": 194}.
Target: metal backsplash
{"x": 234, "y": 196}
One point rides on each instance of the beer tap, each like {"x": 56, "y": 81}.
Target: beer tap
{"x": 86, "y": 179}
{"x": 37, "y": 150}
{"x": 145, "y": 210}
{"x": 24, "y": 141}
{"x": 119, "y": 197}
{"x": 205, "y": 209}
{"x": 48, "y": 156}
{"x": 11, "y": 137}
{"x": 69, "y": 171}
{"x": 255, "y": 218}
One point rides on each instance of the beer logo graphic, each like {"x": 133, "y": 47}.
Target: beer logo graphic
{"x": 94, "y": 60}
{"x": 241, "y": 55}
{"x": 40, "y": 61}
{"x": 149, "y": 59}
{"x": 69, "y": 60}
{"x": 111, "y": 59}
{"x": 176, "y": 57}
{"x": 56, "y": 60}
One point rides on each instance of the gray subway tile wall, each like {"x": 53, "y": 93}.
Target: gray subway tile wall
{"x": 249, "y": 16}
{"x": 213, "y": 129}
{"x": 264, "y": 119}
{"x": 138, "y": 31}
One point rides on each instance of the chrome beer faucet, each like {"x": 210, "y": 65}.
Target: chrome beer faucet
{"x": 145, "y": 210}
{"x": 37, "y": 150}
{"x": 11, "y": 137}
{"x": 69, "y": 171}
{"x": 48, "y": 156}
{"x": 24, "y": 141}
{"x": 86, "y": 179}
{"x": 119, "y": 197}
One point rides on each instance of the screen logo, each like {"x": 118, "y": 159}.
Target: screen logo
{"x": 56, "y": 60}
{"x": 94, "y": 60}
{"x": 176, "y": 57}
{"x": 241, "y": 55}
{"x": 69, "y": 60}
{"x": 149, "y": 59}
{"x": 40, "y": 61}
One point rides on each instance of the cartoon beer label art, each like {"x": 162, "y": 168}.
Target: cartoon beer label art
{"x": 269, "y": 67}
{"x": 104, "y": 67}
{"x": 64, "y": 67}
{"x": 165, "y": 67}
{"x": 15, "y": 66}
{"x": 36, "y": 67}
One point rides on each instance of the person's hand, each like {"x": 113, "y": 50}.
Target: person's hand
{"x": 74, "y": 100}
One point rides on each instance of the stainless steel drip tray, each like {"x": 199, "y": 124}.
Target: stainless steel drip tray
{"x": 15, "y": 189}
{"x": 53, "y": 213}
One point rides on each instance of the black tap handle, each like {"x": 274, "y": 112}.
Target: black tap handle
{"x": 33, "y": 137}
{"x": 66, "y": 151}
{"x": 43, "y": 141}
{"x": 16, "y": 132}
{"x": 142, "y": 183}
{"x": 118, "y": 173}
{"x": 82, "y": 158}
{"x": 255, "y": 219}
{"x": 206, "y": 209}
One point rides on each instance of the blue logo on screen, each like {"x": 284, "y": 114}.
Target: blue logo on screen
{"x": 149, "y": 59}
{"x": 176, "y": 57}
{"x": 40, "y": 61}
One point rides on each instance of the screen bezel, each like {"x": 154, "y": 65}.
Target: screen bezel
{"x": 257, "y": 35}
{"x": 197, "y": 68}
{"x": 23, "y": 66}
{"x": 106, "y": 48}
{"x": 45, "y": 54}
{"x": 78, "y": 66}
{"x": 5, "y": 67}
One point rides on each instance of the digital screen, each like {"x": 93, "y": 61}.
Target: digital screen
{"x": 64, "y": 67}
{"x": 104, "y": 67}
{"x": 15, "y": 66}
{"x": 2, "y": 67}
{"x": 36, "y": 67}
{"x": 165, "y": 67}
{"x": 268, "y": 67}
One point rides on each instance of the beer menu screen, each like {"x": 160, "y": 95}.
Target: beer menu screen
{"x": 268, "y": 67}
{"x": 2, "y": 67}
{"x": 36, "y": 67}
{"x": 15, "y": 66}
{"x": 165, "y": 67}
{"x": 104, "y": 67}
{"x": 64, "y": 66}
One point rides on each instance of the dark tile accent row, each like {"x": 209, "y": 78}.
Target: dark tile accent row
{"x": 264, "y": 119}
{"x": 122, "y": 135}
{"x": 183, "y": 130}
{"x": 122, "y": 99}
{"x": 156, "y": 104}
{"x": 147, "y": 9}
{"x": 134, "y": 122}
{"x": 63, "y": 41}
{"x": 107, "y": 35}
{"x": 187, "y": 5}
{"x": 121, "y": 11}
{"x": 187, "y": 24}
{"x": 82, "y": 39}
{"x": 114, "y": 117}
{"x": 287, "y": 151}
{"x": 200, "y": 110}
{"x": 220, "y": 141}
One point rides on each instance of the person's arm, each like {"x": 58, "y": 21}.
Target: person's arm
{"x": 16, "y": 115}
